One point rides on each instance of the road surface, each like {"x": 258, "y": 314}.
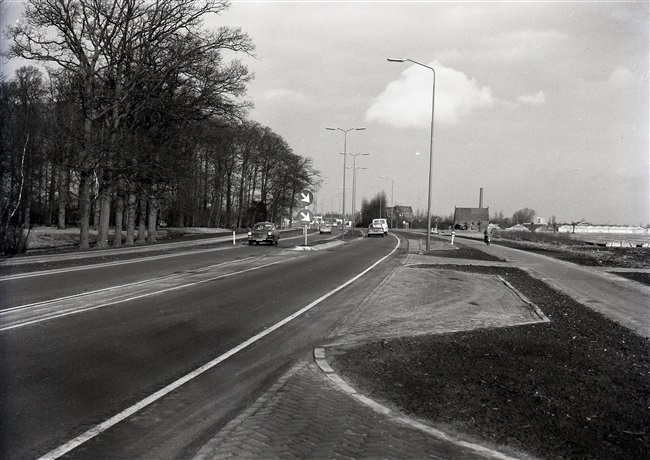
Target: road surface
{"x": 148, "y": 359}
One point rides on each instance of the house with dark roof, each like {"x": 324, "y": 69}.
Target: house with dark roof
{"x": 476, "y": 219}
{"x": 400, "y": 214}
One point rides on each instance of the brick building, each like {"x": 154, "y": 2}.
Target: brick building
{"x": 476, "y": 219}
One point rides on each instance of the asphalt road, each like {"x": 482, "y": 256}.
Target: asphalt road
{"x": 149, "y": 359}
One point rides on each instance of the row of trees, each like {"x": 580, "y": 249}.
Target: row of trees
{"x": 522, "y": 216}
{"x": 139, "y": 117}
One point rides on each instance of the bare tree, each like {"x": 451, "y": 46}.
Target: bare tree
{"x": 523, "y": 216}
{"x": 24, "y": 165}
{"x": 129, "y": 59}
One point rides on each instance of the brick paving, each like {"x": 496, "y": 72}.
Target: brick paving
{"x": 311, "y": 413}
{"x": 305, "y": 415}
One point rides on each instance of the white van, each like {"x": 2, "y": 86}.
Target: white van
{"x": 383, "y": 223}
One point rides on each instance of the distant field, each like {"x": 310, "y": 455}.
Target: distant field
{"x": 604, "y": 238}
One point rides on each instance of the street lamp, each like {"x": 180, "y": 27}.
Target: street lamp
{"x": 345, "y": 155}
{"x": 433, "y": 101}
{"x": 354, "y": 185}
{"x": 392, "y": 208}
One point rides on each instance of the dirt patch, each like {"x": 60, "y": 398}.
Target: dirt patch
{"x": 464, "y": 252}
{"x": 438, "y": 301}
{"x": 577, "y": 387}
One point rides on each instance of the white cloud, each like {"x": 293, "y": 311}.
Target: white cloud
{"x": 533, "y": 99}
{"x": 406, "y": 102}
{"x": 283, "y": 94}
{"x": 621, "y": 77}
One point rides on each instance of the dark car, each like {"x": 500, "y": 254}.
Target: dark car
{"x": 376, "y": 229}
{"x": 264, "y": 232}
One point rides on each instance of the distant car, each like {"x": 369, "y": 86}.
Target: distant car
{"x": 383, "y": 224}
{"x": 376, "y": 229}
{"x": 263, "y": 232}
{"x": 325, "y": 227}
{"x": 335, "y": 224}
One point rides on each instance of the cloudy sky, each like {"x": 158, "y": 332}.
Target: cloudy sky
{"x": 542, "y": 104}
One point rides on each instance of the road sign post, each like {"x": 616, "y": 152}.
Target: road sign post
{"x": 305, "y": 217}
{"x": 306, "y": 197}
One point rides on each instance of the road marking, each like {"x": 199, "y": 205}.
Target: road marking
{"x": 120, "y": 287}
{"x": 98, "y": 429}
{"x": 123, "y": 262}
{"x": 105, "y": 264}
{"x": 48, "y": 317}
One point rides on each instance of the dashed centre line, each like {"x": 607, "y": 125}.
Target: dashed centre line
{"x": 25, "y": 315}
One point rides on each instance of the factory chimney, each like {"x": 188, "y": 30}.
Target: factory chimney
{"x": 480, "y": 198}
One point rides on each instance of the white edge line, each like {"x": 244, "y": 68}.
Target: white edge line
{"x": 74, "y": 443}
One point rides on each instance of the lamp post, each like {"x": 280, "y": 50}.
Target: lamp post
{"x": 345, "y": 155}
{"x": 354, "y": 185}
{"x": 433, "y": 101}
{"x": 392, "y": 208}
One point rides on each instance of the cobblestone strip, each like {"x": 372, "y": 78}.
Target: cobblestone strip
{"x": 321, "y": 360}
{"x": 308, "y": 415}
{"x": 212, "y": 449}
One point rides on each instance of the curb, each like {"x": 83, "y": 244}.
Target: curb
{"x": 535, "y": 308}
{"x": 321, "y": 360}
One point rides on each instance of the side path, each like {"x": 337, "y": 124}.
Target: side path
{"x": 312, "y": 413}
{"x": 624, "y": 301}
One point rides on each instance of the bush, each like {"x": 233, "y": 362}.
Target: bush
{"x": 543, "y": 237}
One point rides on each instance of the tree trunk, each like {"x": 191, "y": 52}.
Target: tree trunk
{"x": 143, "y": 218}
{"x": 153, "y": 213}
{"x": 50, "y": 198}
{"x": 104, "y": 207}
{"x": 130, "y": 214}
{"x": 95, "y": 206}
{"x": 64, "y": 183}
{"x": 119, "y": 213}
{"x": 84, "y": 210}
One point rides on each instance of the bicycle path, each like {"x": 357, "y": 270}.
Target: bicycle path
{"x": 625, "y": 301}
